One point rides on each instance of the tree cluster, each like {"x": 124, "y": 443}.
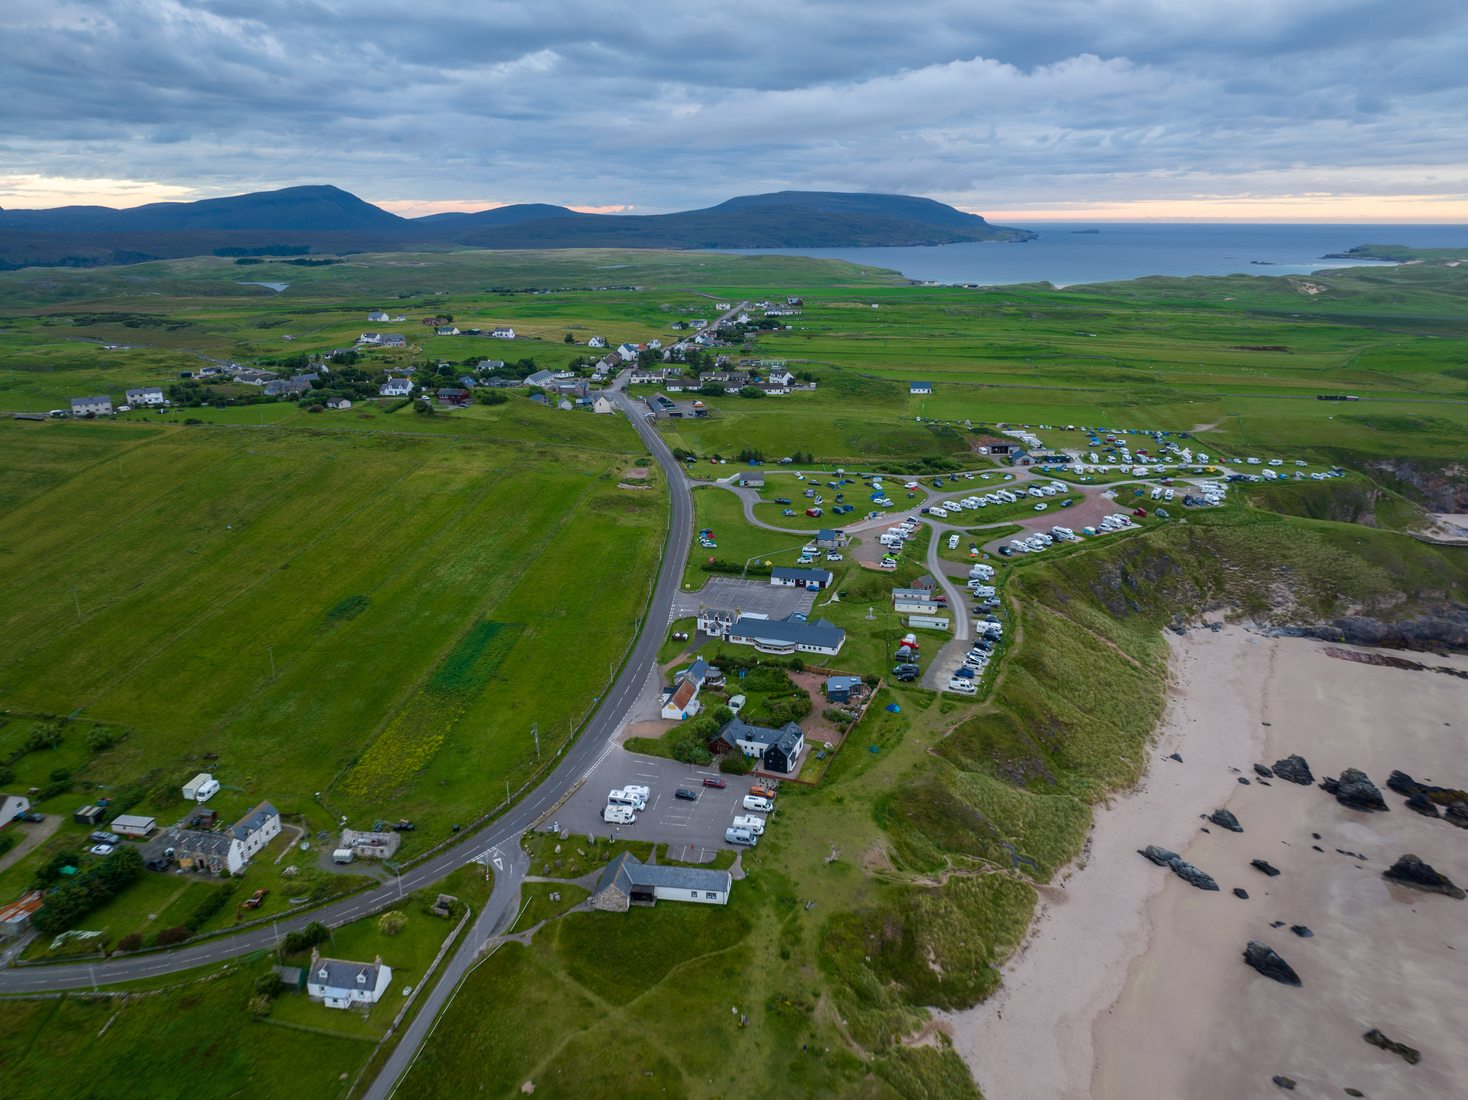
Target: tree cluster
{"x": 72, "y": 900}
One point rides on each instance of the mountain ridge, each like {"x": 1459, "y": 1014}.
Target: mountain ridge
{"x": 325, "y": 218}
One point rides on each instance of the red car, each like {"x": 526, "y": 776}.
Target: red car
{"x": 1140, "y": 512}
{"x": 715, "y": 782}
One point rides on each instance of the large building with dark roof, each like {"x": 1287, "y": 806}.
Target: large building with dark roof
{"x": 792, "y": 634}
{"x": 627, "y": 881}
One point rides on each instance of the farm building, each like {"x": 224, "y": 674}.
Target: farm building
{"x": 753, "y": 479}
{"x": 777, "y": 749}
{"x": 793, "y": 634}
{"x": 920, "y": 388}
{"x": 192, "y": 850}
{"x": 338, "y": 983}
{"x": 368, "y": 845}
{"x": 627, "y": 881}
{"x": 133, "y": 824}
{"x": 790, "y": 577}
{"x": 89, "y": 815}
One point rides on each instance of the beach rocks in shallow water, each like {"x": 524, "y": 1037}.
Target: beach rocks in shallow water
{"x": 1420, "y": 803}
{"x": 1266, "y": 960}
{"x": 1286, "y": 1083}
{"x": 1188, "y": 873}
{"x": 1410, "y": 1054}
{"x": 1402, "y": 783}
{"x": 1295, "y": 770}
{"x": 1226, "y": 820}
{"x": 1301, "y": 930}
{"x": 1411, "y": 871}
{"x": 1263, "y": 771}
{"x": 1355, "y": 790}
{"x": 1241, "y": 893}
{"x": 1264, "y": 865}
{"x": 1160, "y": 856}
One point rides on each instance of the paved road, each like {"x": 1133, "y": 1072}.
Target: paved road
{"x": 583, "y": 754}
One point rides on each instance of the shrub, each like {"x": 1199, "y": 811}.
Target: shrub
{"x": 269, "y": 985}
{"x": 6, "y": 775}
{"x": 493, "y": 397}
{"x": 392, "y": 922}
{"x": 100, "y": 740}
{"x": 46, "y": 735}
{"x": 312, "y": 935}
{"x": 133, "y": 941}
{"x": 260, "y": 1006}
{"x": 211, "y": 903}
{"x": 8, "y": 840}
{"x": 93, "y": 888}
{"x": 735, "y": 763}
{"x": 170, "y": 936}
{"x": 53, "y": 789}
{"x": 60, "y": 775}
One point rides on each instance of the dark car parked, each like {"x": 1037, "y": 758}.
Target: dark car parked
{"x": 686, "y": 795}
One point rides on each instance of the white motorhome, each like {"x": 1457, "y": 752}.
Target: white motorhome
{"x": 758, "y": 804}
{"x": 618, "y": 815}
{"x": 754, "y": 823}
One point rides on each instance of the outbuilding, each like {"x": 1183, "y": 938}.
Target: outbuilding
{"x": 920, "y": 388}
{"x": 839, "y": 689}
{"x": 133, "y": 825}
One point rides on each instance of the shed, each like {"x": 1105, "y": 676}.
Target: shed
{"x": 839, "y": 689}
{"x": 920, "y": 387}
{"x": 89, "y": 815}
{"x": 133, "y": 825}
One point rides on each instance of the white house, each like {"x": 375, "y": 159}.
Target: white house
{"x": 780, "y": 377}
{"x": 784, "y": 576}
{"x": 628, "y": 881}
{"x": 447, "y": 330}
{"x": 11, "y": 807}
{"x": 793, "y": 634}
{"x": 597, "y": 342}
{"x": 920, "y": 387}
{"x": 338, "y": 403}
{"x": 505, "y": 333}
{"x": 541, "y": 378}
{"x": 91, "y": 406}
{"x": 338, "y": 983}
{"x": 378, "y": 315}
{"x": 627, "y": 352}
{"x": 148, "y": 395}
{"x": 603, "y": 404}
{"x": 370, "y": 338}
{"x": 256, "y": 829}
{"x": 682, "y": 701}
{"x": 396, "y": 387}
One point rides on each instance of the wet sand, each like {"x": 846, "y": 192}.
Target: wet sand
{"x": 1131, "y": 984}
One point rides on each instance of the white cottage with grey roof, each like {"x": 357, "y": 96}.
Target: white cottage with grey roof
{"x": 91, "y": 406}
{"x": 628, "y": 881}
{"x": 339, "y": 983}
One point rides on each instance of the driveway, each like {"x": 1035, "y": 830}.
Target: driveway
{"x": 34, "y": 835}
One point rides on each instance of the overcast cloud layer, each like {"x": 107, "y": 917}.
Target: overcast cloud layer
{"x": 1035, "y": 105}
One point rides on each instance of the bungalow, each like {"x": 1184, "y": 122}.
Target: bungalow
{"x": 793, "y": 634}
{"x": 541, "y": 378}
{"x": 338, "y": 403}
{"x": 603, "y": 404}
{"x": 682, "y": 699}
{"x": 396, "y": 387}
{"x": 922, "y": 388}
{"x": 338, "y": 983}
{"x": 192, "y": 850}
{"x": 828, "y": 538}
{"x": 840, "y": 689}
{"x": 290, "y": 387}
{"x": 393, "y": 340}
{"x": 716, "y": 621}
{"x": 772, "y": 389}
{"x": 370, "y": 338}
{"x": 597, "y": 342}
{"x": 148, "y": 395}
{"x": 378, "y": 315}
{"x": 454, "y": 395}
{"x": 651, "y": 376}
{"x": 627, "y": 881}
{"x": 91, "y": 406}
{"x": 778, "y": 749}
{"x": 785, "y": 576}
{"x": 915, "y": 600}
{"x": 370, "y": 845}
{"x": 256, "y": 829}
{"x": 754, "y": 479}
{"x": 505, "y": 333}
{"x": 253, "y": 377}
{"x": 489, "y": 366}
{"x": 446, "y": 330}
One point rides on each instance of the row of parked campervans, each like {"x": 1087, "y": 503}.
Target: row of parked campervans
{"x": 747, "y": 828}
{"x": 624, "y": 804}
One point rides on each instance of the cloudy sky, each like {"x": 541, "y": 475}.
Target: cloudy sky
{"x": 1019, "y": 109}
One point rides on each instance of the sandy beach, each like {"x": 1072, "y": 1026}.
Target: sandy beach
{"x": 1131, "y": 984}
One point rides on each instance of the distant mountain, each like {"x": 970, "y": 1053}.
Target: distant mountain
{"x": 323, "y": 219}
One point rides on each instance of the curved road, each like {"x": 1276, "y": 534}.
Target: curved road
{"x": 499, "y": 834}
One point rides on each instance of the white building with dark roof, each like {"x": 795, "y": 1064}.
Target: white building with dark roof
{"x": 91, "y": 406}
{"x": 148, "y": 395}
{"x": 794, "y": 634}
{"x": 256, "y": 829}
{"x": 627, "y": 881}
{"x": 339, "y": 983}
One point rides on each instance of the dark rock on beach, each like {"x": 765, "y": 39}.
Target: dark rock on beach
{"x": 1409, "y": 1054}
{"x": 1188, "y": 873}
{"x": 1263, "y": 771}
{"x": 1411, "y": 871}
{"x": 1241, "y": 893}
{"x": 1457, "y": 814}
{"x": 1266, "y": 960}
{"x": 1244, "y": 780}
{"x": 1295, "y": 770}
{"x": 1264, "y": 865}
{"x": 1286, "y": 1083}
{"x": 1175, "y": 756}
{"x": 1226, "y": 820}
{"x": 1301, "y": 930}
{"x": 1160, "y": 856}
{"x": 1420, "y": 803}
{"x": 1355, "y": 791}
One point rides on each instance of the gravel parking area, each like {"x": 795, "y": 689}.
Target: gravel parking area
{"x": 694, "y": 827}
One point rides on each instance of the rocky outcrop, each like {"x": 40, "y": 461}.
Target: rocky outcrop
{"x": 1427, "y": 799}
{"x": 1263, "y": 771}
{"x": 1188, "y": 873}
{"x": 1264, "y": 865}
{"x": 1160, "y": 856}
{"x": 1226, "y": 820}
{"x": 1295, "y": 769}
{"x": 1457, "y": 814}
{"x": 1355, "y": 791}
{"x": 1411, "y": 871}
{"x": 1241, "y": 893}
{"x": 1442, "y": 625}
{"x": 1266, "y": 960}
{"x": 1418, "y": 802}
{"x": 1410, "y": 1055}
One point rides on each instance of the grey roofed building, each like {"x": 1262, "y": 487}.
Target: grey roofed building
{"x": 626, "y": 880}
{"x": 788, "y": 576}
{"x": 778, "y": 749}
{"x": 788, "y": 635}
{"x": 839, "y": 688}
{"x": 541, "y": 378}
{"x": 254, "y": 821}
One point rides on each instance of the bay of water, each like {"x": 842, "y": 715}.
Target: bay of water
{"x": 1132, "y": 250}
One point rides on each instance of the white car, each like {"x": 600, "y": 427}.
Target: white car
{"x": 831, "y": 555}
{"x": 962, "y": 687}
{"x": 1041, "y": 506}
{"x": 101, "y": 849}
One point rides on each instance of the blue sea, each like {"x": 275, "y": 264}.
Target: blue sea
{"x": 1131, "y": 250}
